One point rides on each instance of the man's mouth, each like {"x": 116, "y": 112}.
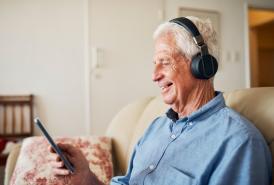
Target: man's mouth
{"x": 165, "y": 87}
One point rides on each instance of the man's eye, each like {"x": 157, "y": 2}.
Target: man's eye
{"x": 162, "y": 61}
{"x": 166, "y": 62}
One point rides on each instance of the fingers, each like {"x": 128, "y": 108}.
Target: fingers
{"x": 74, "y": 155}
{"x": 54, "y": 157}
{"x": 51, "y": 150}
{"x": 57, "y": 164}
{"x": 55, "y": 161}
{"x": 60, "y": 171}
{"x": 67, "y": 150}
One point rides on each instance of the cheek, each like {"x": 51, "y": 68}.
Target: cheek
{"x": 179, "y": 82}
{"x": 172, "y": 72}
{"x": 182, "y": 80}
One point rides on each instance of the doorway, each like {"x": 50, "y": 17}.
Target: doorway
{"x": 261, "y": 47}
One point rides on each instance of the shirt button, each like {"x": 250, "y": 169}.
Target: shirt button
{"x": 190, "y": 123}
{"x": 151, "y": 167}
{"x": 173, "y": 136}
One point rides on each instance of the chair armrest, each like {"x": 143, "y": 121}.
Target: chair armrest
{"x": 11, "y": 162}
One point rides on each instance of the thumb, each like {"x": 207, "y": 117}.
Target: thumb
{"x": 68, "y": 149}
{"x": 73, "y": 154}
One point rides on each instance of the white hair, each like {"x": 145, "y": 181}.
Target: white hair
{"x": 184, "y": 42}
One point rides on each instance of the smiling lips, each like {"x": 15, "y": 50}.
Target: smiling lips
{"x": 165, "y": 86}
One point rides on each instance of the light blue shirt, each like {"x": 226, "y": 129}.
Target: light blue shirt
{"x": 212, "y": 146}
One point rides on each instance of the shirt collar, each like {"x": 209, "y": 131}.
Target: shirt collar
{"x": 206, "y": 110}
{"x": 171, "y": 114}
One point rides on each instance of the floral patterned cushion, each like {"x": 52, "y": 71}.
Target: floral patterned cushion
{"x": 33, "y": 168}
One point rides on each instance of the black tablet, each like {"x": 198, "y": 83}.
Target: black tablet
{"x": 67, "y": 164}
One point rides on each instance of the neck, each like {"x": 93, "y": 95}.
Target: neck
{"x": 198, "y": 97}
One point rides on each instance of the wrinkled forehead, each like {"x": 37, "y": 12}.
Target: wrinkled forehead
{"x": 165, "y": 46}
{"x": 165, "y": 43}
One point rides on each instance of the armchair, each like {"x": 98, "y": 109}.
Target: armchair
{"x": 257, "y": 104}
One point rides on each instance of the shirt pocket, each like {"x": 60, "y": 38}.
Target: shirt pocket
{"x": 175, "y": 176}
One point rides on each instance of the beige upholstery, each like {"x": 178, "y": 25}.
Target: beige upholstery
{"x": 126, "y": 128}
{"x": 11, "y": 163}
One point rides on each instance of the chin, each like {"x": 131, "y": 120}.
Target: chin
{"x": 169, "y": 100}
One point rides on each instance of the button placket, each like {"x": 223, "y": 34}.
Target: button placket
{"x": 174, "y": 133}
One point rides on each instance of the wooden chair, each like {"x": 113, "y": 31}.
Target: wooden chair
{"x": 16, "y": 119}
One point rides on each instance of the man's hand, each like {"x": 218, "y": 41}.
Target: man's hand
{"x": 82, "y": 174}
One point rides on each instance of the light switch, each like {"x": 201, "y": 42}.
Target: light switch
{"x": 96, "y": 57}
{"x": 236, "y": 57}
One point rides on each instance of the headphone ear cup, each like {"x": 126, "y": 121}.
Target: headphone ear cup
{"x": 195, "y": 66}
{"x": 204, "y": 67}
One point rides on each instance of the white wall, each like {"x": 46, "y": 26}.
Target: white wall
{"x": 42, "y": 48}
{"x": 122, "y": 30}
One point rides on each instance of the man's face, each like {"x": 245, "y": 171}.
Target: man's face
{"x": 172, "y": 72}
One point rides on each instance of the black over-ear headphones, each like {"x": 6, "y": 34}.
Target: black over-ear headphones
{"x": 203, "y": 65}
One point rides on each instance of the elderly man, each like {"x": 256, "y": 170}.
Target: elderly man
{"x": 200, "y": 140}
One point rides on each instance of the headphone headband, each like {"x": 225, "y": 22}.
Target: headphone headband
{"x": 191, "y": 28}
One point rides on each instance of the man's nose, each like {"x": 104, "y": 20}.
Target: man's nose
{"x": 157, "y": 74}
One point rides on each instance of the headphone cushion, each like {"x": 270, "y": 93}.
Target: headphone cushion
{"x": 204, "y": 67}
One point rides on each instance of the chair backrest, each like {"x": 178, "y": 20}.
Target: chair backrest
{"x": 256, "y": 104}
{"x": 16, "y": 113}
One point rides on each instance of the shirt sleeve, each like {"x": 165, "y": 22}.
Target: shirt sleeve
{"x": 247, "y": 164}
